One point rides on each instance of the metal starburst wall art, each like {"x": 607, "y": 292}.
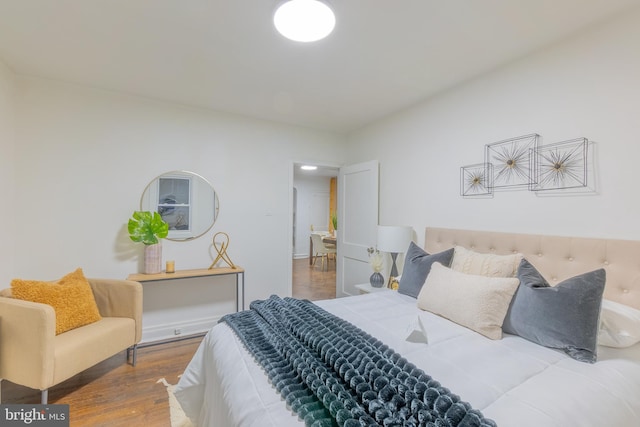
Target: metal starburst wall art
{"x": 562, "y": 165}
{"x": 521, "y": 163}
{"x": 512, "y": 161}
{"x": 475, "y": 180}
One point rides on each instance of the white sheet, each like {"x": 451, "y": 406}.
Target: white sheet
{"x": 512, "y": 381}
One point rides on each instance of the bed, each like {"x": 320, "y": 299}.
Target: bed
{"x": 511, "y": 380}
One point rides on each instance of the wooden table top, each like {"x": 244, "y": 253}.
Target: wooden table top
{"x": 329, "y": 239}
{"x": 185, "y": 274}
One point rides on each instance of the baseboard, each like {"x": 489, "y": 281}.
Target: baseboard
{"x": 177, "y": 330}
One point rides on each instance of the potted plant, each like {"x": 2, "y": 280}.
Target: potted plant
{"x": 334, "y": 221}
{"x": 148, "y": 228}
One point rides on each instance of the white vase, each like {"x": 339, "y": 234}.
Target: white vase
{"x": 153, "y": 258}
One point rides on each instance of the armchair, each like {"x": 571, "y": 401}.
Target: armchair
{"x": 32, "y": 355}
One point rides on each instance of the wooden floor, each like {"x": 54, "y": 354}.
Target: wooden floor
{"x": 312, "y": 282}
{"x": 114, "y": 393}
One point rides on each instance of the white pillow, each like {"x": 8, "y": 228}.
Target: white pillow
{"x": 619, "y": 325}
{"x": 479, "y": 303}
{"x": 491, "y": 265}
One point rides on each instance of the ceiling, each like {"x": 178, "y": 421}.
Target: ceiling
{"x": 225, "y": 55}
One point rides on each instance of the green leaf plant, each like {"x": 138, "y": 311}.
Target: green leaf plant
{"x": 147, "y": 227}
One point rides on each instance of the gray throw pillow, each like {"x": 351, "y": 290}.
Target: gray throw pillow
{"x": 417, "y": 264}
{"x": 565, "y": 316}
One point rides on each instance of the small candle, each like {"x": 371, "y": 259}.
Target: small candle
{"x": 171, "y": 267}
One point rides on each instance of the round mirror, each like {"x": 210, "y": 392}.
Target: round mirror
{"x": 185, "y": 200}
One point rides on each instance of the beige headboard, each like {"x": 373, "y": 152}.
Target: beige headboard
{"x": 557, "y": 258}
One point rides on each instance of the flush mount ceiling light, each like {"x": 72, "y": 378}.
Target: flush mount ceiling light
{"x": 304, "y": 20}
{"x": 308, "y": 167}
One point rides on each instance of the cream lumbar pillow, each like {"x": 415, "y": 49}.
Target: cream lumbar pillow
{"x": 491, "y": 265}
{"x": 479, "y": 303}
{"x": 71, "y": 297}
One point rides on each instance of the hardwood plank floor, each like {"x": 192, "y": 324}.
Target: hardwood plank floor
{"x": 116, "y": 394}
{"x": 311, "y": 282}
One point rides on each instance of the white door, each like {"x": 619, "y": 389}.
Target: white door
{"x": 357, "y": 222}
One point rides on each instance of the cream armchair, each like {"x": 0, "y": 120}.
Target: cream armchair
{"x": 32, "y": 355}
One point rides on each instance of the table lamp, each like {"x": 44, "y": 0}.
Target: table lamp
{"x": 394, "y": 239}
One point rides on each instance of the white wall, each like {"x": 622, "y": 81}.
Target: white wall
{"x": 78, "y": 160}
{"x": 85, "y": 156}
{"x": 587, "y": 86}
{"x": 8, "y": 212}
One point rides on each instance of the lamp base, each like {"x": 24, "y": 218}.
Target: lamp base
{"x": 394, "y": 268}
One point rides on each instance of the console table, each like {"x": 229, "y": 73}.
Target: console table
{"x": 201, "y": 272}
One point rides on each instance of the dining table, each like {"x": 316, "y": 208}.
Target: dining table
{"x": 330, "y": 240}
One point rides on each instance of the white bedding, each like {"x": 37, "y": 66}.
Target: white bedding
{"x": 512, "y": 381}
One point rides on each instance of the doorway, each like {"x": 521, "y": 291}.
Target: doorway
{"x": 314, "y": 203}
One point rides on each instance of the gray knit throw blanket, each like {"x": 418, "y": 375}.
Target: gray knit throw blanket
{"x": 332, "y": 373}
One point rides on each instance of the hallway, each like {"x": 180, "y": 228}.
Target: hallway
{"x": 311, "y": 282}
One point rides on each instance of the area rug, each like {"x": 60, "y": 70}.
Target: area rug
{"x": 178, "y": 418}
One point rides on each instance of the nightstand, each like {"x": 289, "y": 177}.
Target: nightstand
{"x": 366, "y": 288}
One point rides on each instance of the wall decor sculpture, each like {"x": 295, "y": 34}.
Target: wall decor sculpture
{"x": 221, "y": 247}
{"x": 513, "y": 161}
{"x": 562, "y": 165}
{"x": 521, "y": 163}
{"x": 475, "y": 180}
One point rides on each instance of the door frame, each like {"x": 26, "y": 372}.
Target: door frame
{"x": 292, "y": 165}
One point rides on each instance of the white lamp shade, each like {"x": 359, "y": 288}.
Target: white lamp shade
{"x": 394, "y": 238}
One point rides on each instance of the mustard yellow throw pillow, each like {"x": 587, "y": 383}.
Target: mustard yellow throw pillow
{"x": 71, "y": 297}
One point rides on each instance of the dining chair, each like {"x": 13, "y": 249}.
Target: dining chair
{"x": 320, "y": 249}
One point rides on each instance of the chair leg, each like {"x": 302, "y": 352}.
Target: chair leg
{"x": 133, "y": 350}
{"x": 44, "y": 396}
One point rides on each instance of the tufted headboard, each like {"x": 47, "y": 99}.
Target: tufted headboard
{"x": 556, "y": 257}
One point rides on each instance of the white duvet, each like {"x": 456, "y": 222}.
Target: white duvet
{"x": 512, "y": 381}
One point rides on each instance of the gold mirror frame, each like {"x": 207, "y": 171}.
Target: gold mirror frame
{"x": 185, "y": 200}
